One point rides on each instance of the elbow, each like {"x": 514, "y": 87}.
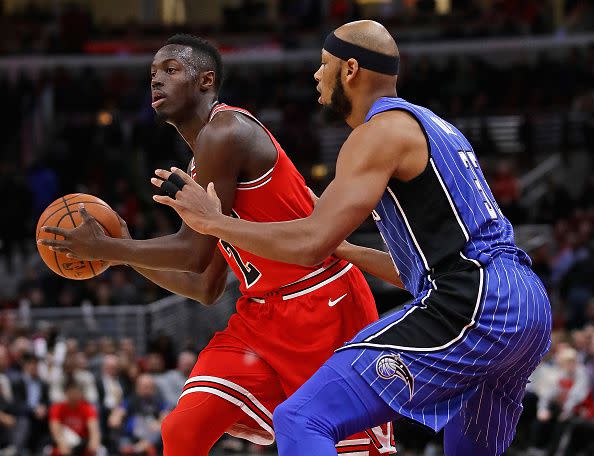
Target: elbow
{"x": 196, "y": 263}
{"x": 208, "y": 296}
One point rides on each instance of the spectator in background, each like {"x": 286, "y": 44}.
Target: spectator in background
{"x": 171, "y": 383}
{"x": 567, "y": 397}
{"x": 73, "y": 424}
{"x": 7, "y": 407}
{"x": 111, "y": 396}
{"x": 163, "y": 345}
{"x": 129, "y": 374}
{"x": 153, "y": 364}
{"x": 32, "y": 396}
{"x": 590, "y": 359}
{"x": 126, "y": 347}
{"x": 71, "y": 370}
{"x": 576, "y": 286}
{"x": 140, "y": 418}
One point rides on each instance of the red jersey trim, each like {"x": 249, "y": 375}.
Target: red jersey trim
{"x": 238, "y": 396}
{"x": 267, "y": 176}
{"x": 353, "y": 447}
{"x": 256, "y": 183}
{"x": 308, "y": 284}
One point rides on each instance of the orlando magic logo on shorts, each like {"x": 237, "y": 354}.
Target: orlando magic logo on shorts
{"x": 392, "y": 366}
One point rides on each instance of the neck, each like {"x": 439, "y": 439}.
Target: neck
{"x": 190, "y": 126}
{"x": 362, "y": 105}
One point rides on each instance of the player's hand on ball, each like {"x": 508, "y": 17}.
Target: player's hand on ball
{"x": 125, "y": 230}
{"x": 196, "y": 206}
{"x": 82, "y": 242}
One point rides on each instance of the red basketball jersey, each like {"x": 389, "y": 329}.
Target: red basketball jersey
{"x": 280, "y": 194}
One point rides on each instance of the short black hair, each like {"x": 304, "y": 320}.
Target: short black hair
{"x": 207, "y": 56}
{"x": 71, "y": 383}
{"x": 28, "y": 357}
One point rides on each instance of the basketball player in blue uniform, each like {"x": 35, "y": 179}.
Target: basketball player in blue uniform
{"x": 459, "y": 354}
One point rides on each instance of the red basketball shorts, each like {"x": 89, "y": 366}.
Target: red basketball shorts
{"x": 274, "y": 343}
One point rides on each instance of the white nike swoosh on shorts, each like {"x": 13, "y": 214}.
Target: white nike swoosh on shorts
{"x": 336, "y": 301}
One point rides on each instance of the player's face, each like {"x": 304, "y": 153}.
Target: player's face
{"x": 173, "y": 82}
{"x": 330, "y": 87}
{"x": 325, "y": 78}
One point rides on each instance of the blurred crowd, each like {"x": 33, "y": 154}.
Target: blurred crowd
{"x": 70, "y": 27}
{"x": 559, "y": 408}
{"x": 58, "y": 397}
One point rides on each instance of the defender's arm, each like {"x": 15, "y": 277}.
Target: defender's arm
{"x": 372, "y": 261}
{"x": 372, "y": 154}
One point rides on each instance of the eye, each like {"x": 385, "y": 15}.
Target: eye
{"x": 171, "y": 70}
{"x": 153, "y": 74}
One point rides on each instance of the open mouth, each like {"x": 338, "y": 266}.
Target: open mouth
{"x": 158, "y": 99}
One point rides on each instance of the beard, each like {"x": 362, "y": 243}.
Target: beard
{"x": 339, "y": 102}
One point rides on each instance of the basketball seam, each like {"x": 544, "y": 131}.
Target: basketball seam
{"x": 72, "y": 196}
{"x": 66, "y": 203}
{"x": 74, "y": 224}
{"x": 66, "y": 206}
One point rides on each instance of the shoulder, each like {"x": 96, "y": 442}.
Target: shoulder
{"x": 56, "y": 407}
{"x": 228, "y": 129}
{"x": 88, "y": 408}
{"x": 389, "y": 134}
{"x": 55, "y": 410}
{"x": 396, "y": 126}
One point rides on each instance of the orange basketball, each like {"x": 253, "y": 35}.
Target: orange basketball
{"x": 63, "y": 213}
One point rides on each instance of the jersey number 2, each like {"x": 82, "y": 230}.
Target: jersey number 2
{"x": 250, "y": 273}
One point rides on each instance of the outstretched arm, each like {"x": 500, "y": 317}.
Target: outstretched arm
{"x": 368, "y": 159}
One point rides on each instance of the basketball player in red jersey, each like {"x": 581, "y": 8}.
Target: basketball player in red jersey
{"x": 290, "y": 318}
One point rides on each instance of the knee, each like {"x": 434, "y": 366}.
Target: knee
{"x": 174, "y": 429}
{"x": 168, "y": 428}
{"x": 297, "y": 422}
{"x": 286, "y": 421}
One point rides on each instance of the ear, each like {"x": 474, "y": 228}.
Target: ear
{"x": 206, "y": 80}
{"x": 351, "y": 68}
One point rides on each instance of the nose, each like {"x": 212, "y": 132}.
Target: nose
{"x": 317, "y": 75}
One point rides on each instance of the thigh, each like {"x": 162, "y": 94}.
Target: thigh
{"x": 489, "y": 418}
{"x": 336, "y": 399}
{"x": 232, "y": 371}
{"x": 197, "y": 423}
